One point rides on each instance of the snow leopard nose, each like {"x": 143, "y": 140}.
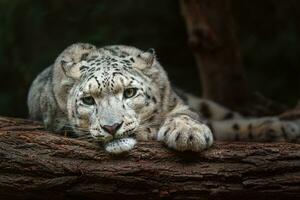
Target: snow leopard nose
{"x": 112, "y": 129}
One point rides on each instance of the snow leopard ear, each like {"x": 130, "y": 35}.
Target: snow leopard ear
{"x": 70, "y": 69}
{"x": 72, "y": 59}
{"x": 145, "y": 59}
{"x": 148, "y": 56}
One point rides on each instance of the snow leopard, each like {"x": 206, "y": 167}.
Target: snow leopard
{"x": 117, "y": 95}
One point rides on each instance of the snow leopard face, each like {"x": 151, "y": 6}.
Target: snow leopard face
{"x": 112, "y": 96}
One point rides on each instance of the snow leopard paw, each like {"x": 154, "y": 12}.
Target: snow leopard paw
{"x": 183, "y": 133}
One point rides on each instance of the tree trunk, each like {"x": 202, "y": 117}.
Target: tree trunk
{"x": 213, "y": 41}
{"x": 35, "y": 164}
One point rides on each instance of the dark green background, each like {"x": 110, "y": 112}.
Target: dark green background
{"x": 34, "y": 32}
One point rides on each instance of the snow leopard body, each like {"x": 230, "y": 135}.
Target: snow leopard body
{"x": 118, "y": 95}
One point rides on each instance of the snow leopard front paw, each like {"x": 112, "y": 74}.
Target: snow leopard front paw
{"x": 183, "y": 133}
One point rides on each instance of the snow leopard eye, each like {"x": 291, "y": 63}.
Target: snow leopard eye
{"x": 88, "y": 100}
{"x": 130, "y": 92}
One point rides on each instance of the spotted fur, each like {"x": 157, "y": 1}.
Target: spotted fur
{"x": 231, "y": 126}
{"x": 119, "y": 94}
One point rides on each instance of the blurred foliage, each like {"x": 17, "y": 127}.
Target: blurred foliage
{"x": 34, "y": 32}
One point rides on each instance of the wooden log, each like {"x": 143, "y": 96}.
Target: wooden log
{"x": 36, "y": 164}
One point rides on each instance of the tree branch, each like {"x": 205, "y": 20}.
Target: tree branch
{"x": 212, "y": 38}
{"x": 35, "y": 164}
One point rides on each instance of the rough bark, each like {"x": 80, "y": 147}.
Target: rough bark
{"x": 214, "y": 44}
{"x": 35, "y": 164}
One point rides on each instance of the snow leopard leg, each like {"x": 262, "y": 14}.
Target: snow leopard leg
{"x": 266, "y": 129}
{"x": 207, "y": 109}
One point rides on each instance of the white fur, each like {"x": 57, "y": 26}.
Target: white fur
{"x": 84, "y": 70}
{"x": 185, "y": 128}
{"x": 120, "y": 145}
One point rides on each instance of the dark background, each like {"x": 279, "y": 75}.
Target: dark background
{"x": 34, "y": 32}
